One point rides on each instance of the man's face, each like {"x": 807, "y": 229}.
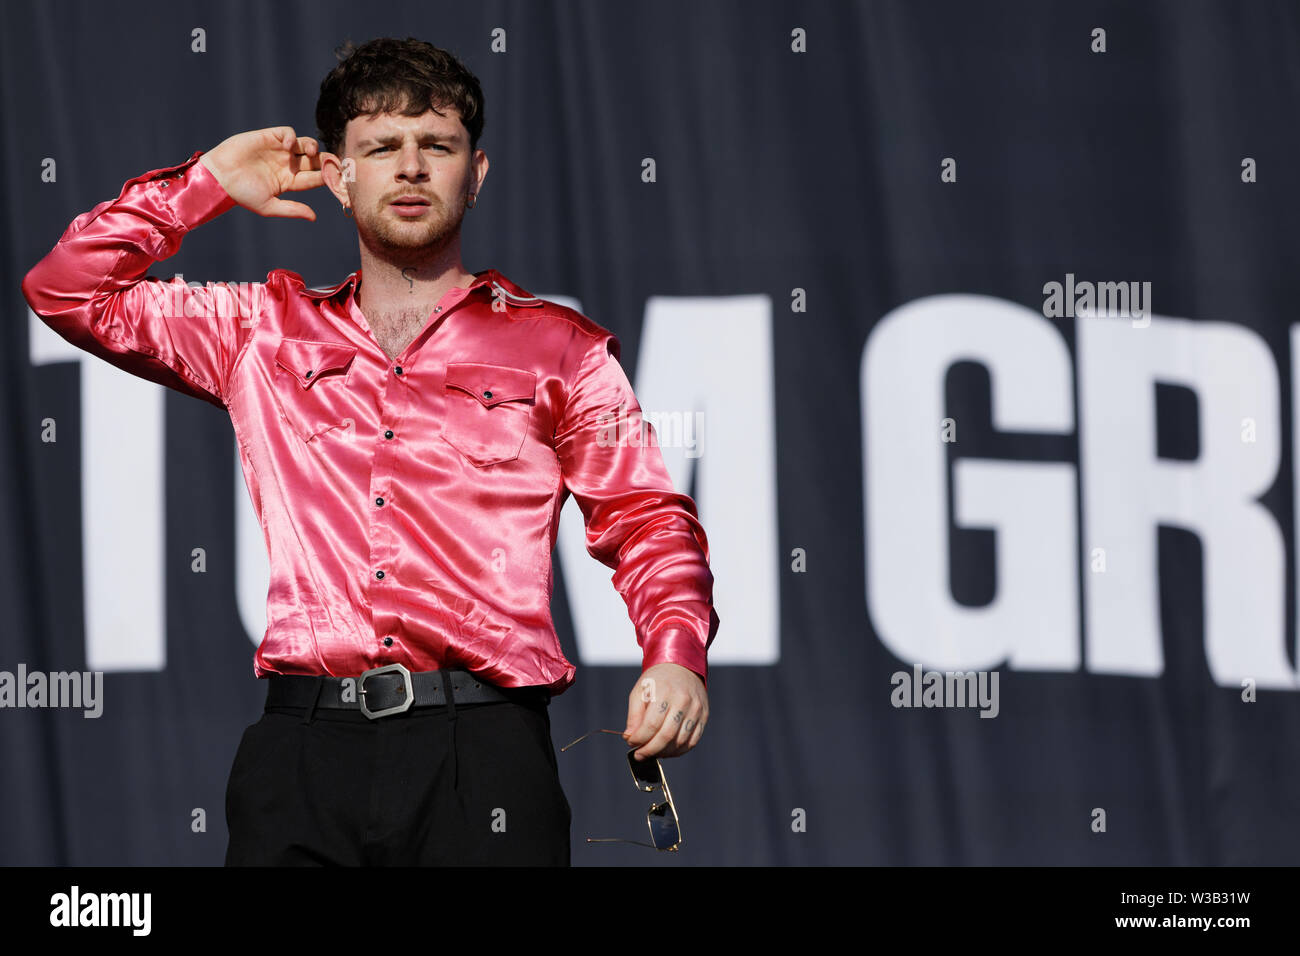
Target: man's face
{"x": 412, "y": 178}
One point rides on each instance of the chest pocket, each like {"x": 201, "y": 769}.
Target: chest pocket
{"x": 310, "y": 384}
{"x": 488, "y": 410}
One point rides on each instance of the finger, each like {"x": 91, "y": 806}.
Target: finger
{"x": 695, "y": 731}
{"x": 306, "y": 179}
{"x": 672, "y": 721}
{"x": 288, "y": 210}
{"x": 641, "y": 698}
{"x": 681, "y": 740}
{"x": 687, "y": 729}
{"x": 652, "y": 719}
{"x": 307, "y": 146}
{"x": 284, "y": 136}
{"x": 302, "y": 161}
{"x": 698, "y": 732}
{"x": 635, "y": 709}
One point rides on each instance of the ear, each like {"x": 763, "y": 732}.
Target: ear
{"x": 480, "y": 169}
{"x": 337, "y": 173}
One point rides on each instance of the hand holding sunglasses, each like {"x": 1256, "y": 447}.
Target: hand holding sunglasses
{"x": 647, "y": 775}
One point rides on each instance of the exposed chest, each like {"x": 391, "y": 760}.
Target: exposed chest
{"x": 395, "y": 329}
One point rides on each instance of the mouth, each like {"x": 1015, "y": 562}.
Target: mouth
{"x": 409, "y": 206}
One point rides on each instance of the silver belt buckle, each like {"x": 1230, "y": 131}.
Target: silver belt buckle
{"x": 385, "y": 711}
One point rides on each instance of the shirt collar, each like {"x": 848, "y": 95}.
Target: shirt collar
{"x": 489, "y": 279}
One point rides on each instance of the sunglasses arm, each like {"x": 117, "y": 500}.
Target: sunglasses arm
{"x": 631, "y": 842}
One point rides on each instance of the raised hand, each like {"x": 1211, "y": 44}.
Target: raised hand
{"x": 257, "y": 166}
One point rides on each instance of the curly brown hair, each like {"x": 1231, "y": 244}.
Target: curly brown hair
{"x": 387, "y": 75}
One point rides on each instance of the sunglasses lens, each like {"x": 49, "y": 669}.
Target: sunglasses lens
{"x": 645, "y": 771}
{"x": 664, "y": 831}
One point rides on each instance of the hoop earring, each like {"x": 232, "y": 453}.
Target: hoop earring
{"x": 347, "y": 211}
{"x": 473, "y": 198}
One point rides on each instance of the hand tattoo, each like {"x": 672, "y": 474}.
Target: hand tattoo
{"x": 678, "y": 716}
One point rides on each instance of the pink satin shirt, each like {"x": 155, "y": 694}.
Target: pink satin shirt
{"x": 409, "y": 506}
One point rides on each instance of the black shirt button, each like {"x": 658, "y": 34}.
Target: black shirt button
{"x": 487, "y": 394}
{"x": 398, "y": 370}
{"x": 379, "y": 575}
{"x": 389, "y": 433}
{"x": 309, "y": 371}
{"x": 380, "y": 502}
{"x": 388, "y": 642}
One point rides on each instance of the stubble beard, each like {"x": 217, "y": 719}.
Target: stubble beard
{"x": 409, "y": 242}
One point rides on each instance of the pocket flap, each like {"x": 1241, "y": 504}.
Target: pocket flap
{"x": 307, "y": 361}
{"x": 492, "y": 384}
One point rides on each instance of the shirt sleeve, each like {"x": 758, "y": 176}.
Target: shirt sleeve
{"x": 93, "y": 291}
{"x": 636, "y": 523}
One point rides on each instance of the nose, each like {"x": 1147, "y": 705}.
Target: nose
{"x": 412, "y": 164}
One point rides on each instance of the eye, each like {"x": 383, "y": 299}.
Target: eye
{"x": 379, "y": 150}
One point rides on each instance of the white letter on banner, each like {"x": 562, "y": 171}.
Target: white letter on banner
{"x": 1033, "y": 621}
{"x": 709, "y": 359}
{"x": 1128, "y": 492}
{"x": 123, "y": 503}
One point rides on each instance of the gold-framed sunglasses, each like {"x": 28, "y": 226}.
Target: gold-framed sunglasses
{"x": 648, "y": 775}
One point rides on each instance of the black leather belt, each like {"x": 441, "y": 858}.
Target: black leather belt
{"x": 392, "y": 689}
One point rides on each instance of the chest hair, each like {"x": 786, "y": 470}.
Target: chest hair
{"x": 395, "y": 330}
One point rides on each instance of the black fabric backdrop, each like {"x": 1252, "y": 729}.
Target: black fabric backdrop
{"x": 776, "y": 170}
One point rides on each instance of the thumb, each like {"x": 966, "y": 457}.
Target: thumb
{"x": 288, "y": 209}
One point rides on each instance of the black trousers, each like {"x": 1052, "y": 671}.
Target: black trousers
{"x": 475, "y": 786}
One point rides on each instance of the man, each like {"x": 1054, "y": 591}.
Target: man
{"x": 408, "y": 439}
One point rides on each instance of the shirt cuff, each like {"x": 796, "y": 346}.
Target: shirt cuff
{"x": 190, "y": 190}
{"x": 677, "y": 646}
